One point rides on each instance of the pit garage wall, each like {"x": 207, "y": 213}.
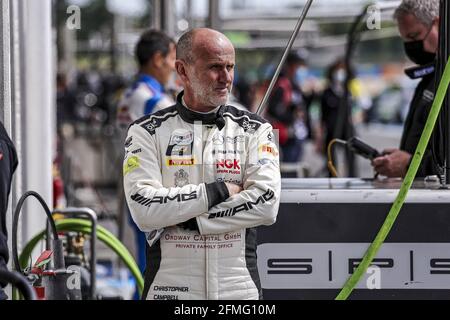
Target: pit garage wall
{"x": 27, "y": 103}
{"x": 314, "y": 247}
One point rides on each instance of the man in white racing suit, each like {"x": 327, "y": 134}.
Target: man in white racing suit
{"x": 204, "y": 174}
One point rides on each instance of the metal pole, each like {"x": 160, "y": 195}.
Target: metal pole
{"x": 283, "y": 58}
{"x": 5, "y": 67}
{"x": 344, "y": 123}
{"x": 155, "y": 23}
{"x": 189, "y": 13}
{"x": 10, "y": 97}
{"x": 167, "y": 14}
{"x": 443, "y": 55}
{"x": 6, "y": 114}
{"x": 17, "y": 102}
{"x": 214, "y": 21}
{"x": 38, "y": 118}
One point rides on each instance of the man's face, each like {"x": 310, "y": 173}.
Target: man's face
{"x": 210, "y": 76}
{"x": 168, "y": 65}
{"x": 412, "y": 29}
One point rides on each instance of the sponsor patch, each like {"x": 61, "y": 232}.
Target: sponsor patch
{"x": 266, "y": 148}
{"x": 231, "y": 166}
{"x": 249, "y": 126}
{"x": 132, "y": 164}
{"x": 428, "y": 95}
{"x": 181, "y": 178}
{"x": 181, "y": 197}
{"x": 180, "y": 146}
{"x": 235, "y": 181}
{"x": 219, "y": 139}
{"x": 229, "y": 151}
{"x": 129, "y": 142}
{"x": 173, "y": 162}
{"x": 261, "y": 200}
{"x": 182, "y": 137}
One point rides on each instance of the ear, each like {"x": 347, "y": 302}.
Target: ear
{"x": 180, "y": 67}
{"x": 435, "y": 23}
{"x": 158, "y": 59}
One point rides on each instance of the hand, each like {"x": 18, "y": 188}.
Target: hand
{"x": 191, "y": 224}
{"x": 393, "y": 163}
{"x": 233, "y": 188}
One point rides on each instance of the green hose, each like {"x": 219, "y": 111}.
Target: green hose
{"x": 83, "y": 226}
{"x": 406, "y": 185}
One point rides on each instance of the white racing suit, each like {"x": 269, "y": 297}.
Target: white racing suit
{"x": 176, "y": 165}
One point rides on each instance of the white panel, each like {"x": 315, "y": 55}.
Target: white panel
{"x": 328, "y": 265}
{"x": 38, "y": 130}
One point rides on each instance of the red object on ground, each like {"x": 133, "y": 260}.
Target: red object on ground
{"x": 40, "y": 293}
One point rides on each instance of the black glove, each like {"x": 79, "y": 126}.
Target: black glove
{"x": 191, "y": 224}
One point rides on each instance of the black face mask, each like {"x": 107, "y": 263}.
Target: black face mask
{"x": 415, "y": 51}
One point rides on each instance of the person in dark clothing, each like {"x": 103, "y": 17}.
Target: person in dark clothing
{"x": 65, "y": 102}
{"x": 418, "y": 23}
{"x": 286, "y": 110}
{"x": 8, "y": 163}
{"x": 415, "y": 123}
{"x": 330, "y": 102}
{"x": 307, "y": 84}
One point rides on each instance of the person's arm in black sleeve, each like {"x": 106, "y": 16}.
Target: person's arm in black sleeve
{"x": 428, "y": 165}
{"x": 8, "y": 163}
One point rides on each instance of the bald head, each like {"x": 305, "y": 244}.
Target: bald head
{"x": 205, "y": 65}
{"x": 194, "y": 42}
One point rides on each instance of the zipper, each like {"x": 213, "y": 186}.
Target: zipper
{"x": 209, "y": 131}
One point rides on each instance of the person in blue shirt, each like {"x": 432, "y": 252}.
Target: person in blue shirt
{"x": 155, "y": 53}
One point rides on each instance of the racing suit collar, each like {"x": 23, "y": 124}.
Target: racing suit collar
{"x": 418, "y": 72}
{"x": 192, "y": 116}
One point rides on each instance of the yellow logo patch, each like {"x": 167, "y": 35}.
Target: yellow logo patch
{"x": 131, "y": 165}
{"x": 171, "y": 162}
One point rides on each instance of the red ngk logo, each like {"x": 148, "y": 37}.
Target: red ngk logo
{"x": 229, "y": 164}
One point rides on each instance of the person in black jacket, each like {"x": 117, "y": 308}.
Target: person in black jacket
{"x": 287, "y": 110}
{"x": 330, "y": 102}
{"x": 8, "y": 163}
{"x": 418, "y": 23}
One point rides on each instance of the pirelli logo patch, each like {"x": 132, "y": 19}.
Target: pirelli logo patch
{"x": 171, "y": 162}
{"x": 266, "y": 148}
